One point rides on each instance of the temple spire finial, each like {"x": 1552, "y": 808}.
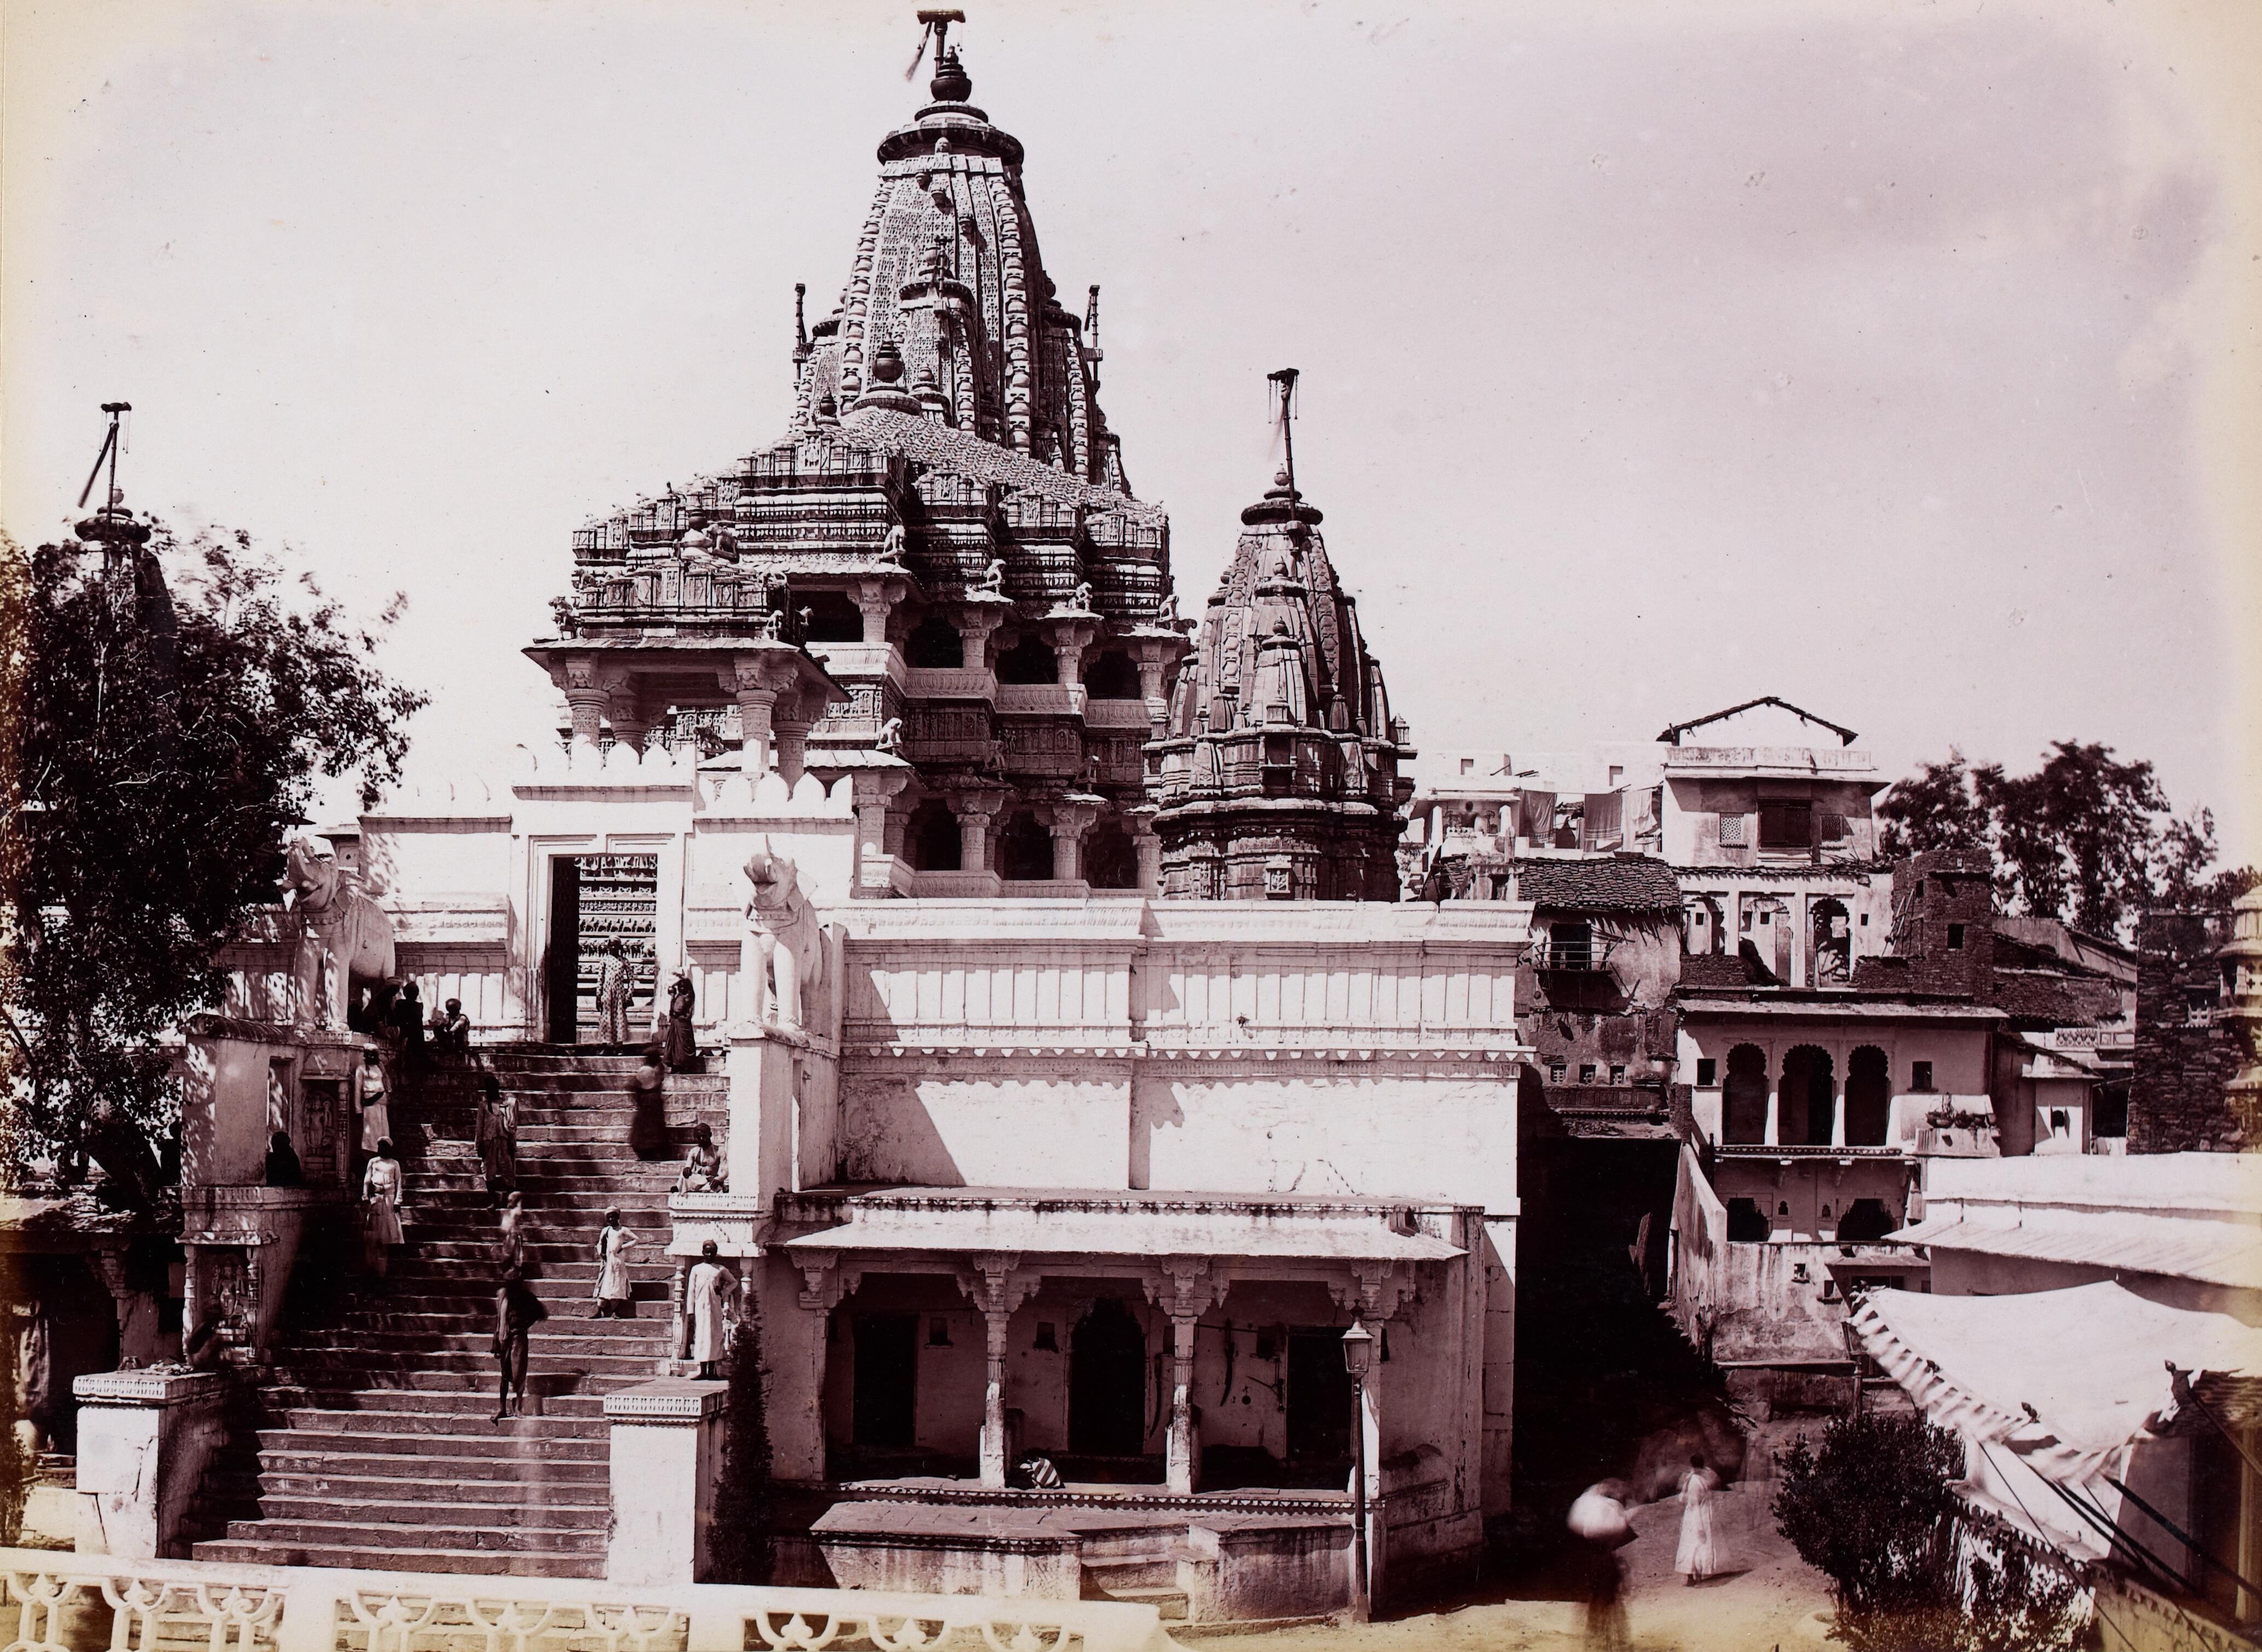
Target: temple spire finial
{"x": 951, "y": 84}
{"x": 1284, "y": 381}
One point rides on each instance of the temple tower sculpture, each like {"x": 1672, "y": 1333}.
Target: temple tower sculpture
{"x": 946, "y": 531}
{"x": 1278, "y": 777}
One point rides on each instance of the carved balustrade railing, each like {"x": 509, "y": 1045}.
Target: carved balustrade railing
{"x": 79, "y": 1603}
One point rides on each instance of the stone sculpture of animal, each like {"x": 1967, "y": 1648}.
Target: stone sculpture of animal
{"x": 344, "y": 939}
{"x": 782, "y": 960}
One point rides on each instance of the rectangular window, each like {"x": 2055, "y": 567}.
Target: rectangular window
{"x": 1469, "y": 765}
{"x": 1555, "y": 1072}
{"x": 1786, "y": 825}
{"x": 1708, "y": 1070}
{"x": 1834, "y": 828}
{"x": 1618, "y": 1073}
{"x": 1732, "y": 832}
{"x": 1956, "y": 937}
{"x": 1586, "y": 1072}
{"x": 1919, "y": 1075}
{"x": 1865, "y": 920}
{"x": 1618, "y": 775}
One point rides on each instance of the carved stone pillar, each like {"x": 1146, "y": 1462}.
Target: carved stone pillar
{"x": 974, "y": 811}
{"x": 789, "y": 724}
{"x": 589, "y": 700}
{"x": 1183, "y": 1288}
{"x": 997, "y": 1292}
{"x": 975, "y": 622}
{"x": 1070, "y": 820}
{"x": 872, "y": 788}
{"x": 1070, "y": 638}
{"x": 875, "y": 601}
{"x": 756, "y": 680}
{"x": 1148, "y": 846}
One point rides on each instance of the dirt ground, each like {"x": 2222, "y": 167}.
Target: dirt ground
{"x": 1769, "y": 1598}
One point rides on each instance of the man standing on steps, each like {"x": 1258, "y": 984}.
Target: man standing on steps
{"x": 711, "y": 1294}
{"x": 613, "y": 1292}
{"x": 614, "y": 981}
{"x": 517, "y": 1311}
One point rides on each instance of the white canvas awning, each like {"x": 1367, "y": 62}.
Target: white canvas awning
{"x": 2131, "y": 1241}
{"x": 2065, "y": 1380}
{"x": 1065, "y": 1223}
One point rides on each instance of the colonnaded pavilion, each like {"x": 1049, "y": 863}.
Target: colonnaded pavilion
{"x": 1118, "y": 1084}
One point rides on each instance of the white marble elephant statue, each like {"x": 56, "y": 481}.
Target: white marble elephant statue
{"x": 344, "y": 937}
{"x": 782, "y": 960}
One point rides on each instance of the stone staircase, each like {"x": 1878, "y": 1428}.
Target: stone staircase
{"x": 370, "y": 1441}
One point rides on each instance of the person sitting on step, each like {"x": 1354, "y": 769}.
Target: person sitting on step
{"x": 451, "y": 1028}
{"x": 702, "y": 1166}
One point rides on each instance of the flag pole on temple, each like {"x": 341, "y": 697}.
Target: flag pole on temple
{"x": 1285, "y": 379}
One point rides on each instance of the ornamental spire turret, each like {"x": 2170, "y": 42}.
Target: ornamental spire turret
{"x": 1277, "y": 774}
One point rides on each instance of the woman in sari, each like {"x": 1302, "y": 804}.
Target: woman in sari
{"x": 680, "y": 1048}
{"x": 614, "y": 977}
{"x": 648, "y": 1108}
{"x": 497, "y": 1136}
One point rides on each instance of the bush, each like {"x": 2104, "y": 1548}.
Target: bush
{"x": 1875, "y": 1512}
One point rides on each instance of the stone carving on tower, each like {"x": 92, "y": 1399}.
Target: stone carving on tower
{"x": 945, "y": 540}
{"x": 1279, "y": 775}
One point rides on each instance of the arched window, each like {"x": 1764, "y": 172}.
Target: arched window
{"x": 932, "y": 839}
{"x": 1869, "y": 1097}
{"x": 1112, "y": 677}
{"x": 1808, "y": 1096}
{"x": 1744, "y": 1098}
{"x": 1025, "y": 849}
{"x": 1028, "y": 663}
{"x": 1748, "y": 1223}
{"x": 935, "y": 646}
{"x": 1701, "y": 934}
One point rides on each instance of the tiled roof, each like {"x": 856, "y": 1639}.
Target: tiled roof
{"x": 1718, "y": 969}
{"x": 1616, "y": 883}
{"x": 968, "y": 456}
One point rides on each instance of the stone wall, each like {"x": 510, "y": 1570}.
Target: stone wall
{"x": 2185, "y": 1054}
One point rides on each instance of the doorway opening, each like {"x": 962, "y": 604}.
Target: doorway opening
{"x": 595, "y": 899}
{"x": 1318, "y": 1419}
{"x": 886, "y": 1413}
{"x": 1107, "y": 1383}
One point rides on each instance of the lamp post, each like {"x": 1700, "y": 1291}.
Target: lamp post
{"x": 1359, "y": 1357}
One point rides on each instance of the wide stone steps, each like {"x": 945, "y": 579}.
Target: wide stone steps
{"x": 375, "y": 1445}
{"x": 370, "y": 1551}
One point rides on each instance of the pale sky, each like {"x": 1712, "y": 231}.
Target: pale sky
{"x": 1898, "y": 360}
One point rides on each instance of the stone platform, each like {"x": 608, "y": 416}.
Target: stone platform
{"x": 1244, "y": 1555}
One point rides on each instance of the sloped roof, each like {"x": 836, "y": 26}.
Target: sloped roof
{"x": 1615, "y": 883}
{"x": 967, "y": 455}
{"x": 1700, "y": 970}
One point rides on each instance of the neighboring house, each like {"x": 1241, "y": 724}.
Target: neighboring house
{"x": 2198, "y": 1083}
{"x": 2107, "y": 1388}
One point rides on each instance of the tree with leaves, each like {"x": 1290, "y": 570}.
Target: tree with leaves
{"x": 1874, "y": 1510}
{"x": 743, "y": 1548}
{"x": 176, "y": 703}
{"x": 2086, "y": 838}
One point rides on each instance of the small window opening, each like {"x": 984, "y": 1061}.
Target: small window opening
{"x": 1555, "y": 1072}
{"x": 1617, "y": 1073}
{"x": 1956, "y": 937}
{"x": 1919, "y": 1075}
{"x": 938, "y": 1333}
{"x": 1708, "y": 1070}
{"x": 1586, "y": 1072}
{"x": 1048, "y": 1338}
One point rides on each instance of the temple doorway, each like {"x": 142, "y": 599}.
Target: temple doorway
{"x": 886, "y": 1414}
{"x": 1318, "y": 1406}
{"x": 594, "y": 899}
{"x": 1107, "y": 1383}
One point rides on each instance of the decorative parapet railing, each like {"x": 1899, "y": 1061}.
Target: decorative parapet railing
{"x": 77, "y": 1603}
{"x": 1814, "y": 759}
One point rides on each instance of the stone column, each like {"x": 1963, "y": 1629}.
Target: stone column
{"x": 1772, "y": 1135}
{"x": 589, "y": 701}
{"x": 997, "y": 1292}
{"x": 1069, "y": 822}
{"x": 789, "y": 724}
{"x": 1148, "y": 846}
{"x": 872, "y": 788}
{"x": 1182, "y": 1470}
{"x": 975, "y": 622}
{"x": 1070, "y": 638}
{"x": 993, "y": 1396}
{"x": 974, "y": 811}
{"x": 756, "y": 679}
{"x": 875, "y": 601}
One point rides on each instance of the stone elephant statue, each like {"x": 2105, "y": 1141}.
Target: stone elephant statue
{"x": 782, "y": 958}
{"x": 344, "y": 937}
